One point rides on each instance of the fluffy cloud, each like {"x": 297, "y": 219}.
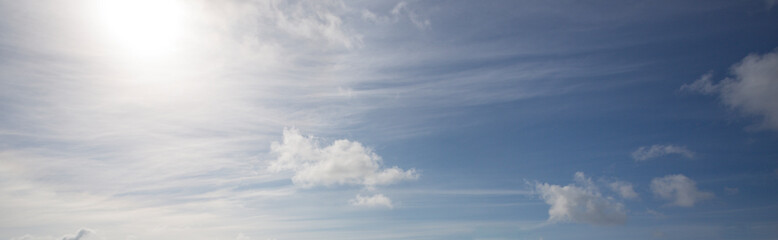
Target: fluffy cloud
{"x": 624, "y": 189}
{"x": 580, "y": 202}
{"x": 752, "y": 89}
{"x": 378, "y": 200}
{"x": 645, "y": 153}
{"x": 679, "y": 190}
{"x": 342, "y": 163}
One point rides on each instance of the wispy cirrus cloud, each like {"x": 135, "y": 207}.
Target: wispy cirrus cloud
{"x": 377, "y": 200}
{"x": 646, "y": 153}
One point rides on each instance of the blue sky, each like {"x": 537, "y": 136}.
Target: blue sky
{"x": 388, "y": 120}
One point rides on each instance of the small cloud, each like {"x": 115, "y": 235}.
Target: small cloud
{"x": 580, "y": 202}
{"x": 655, "y": 151}
{"x": 624, "y": 189}
{"x": 369, "y": 16}
{"x": 402, "y": 9}
{"x": 679, "y": 190}
{"x": 377, "y": 200}
{"x": 702, "y": 85}
{"x": 752, "y": 89}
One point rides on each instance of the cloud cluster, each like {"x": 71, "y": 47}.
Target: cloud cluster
{"x": 679, "y": 190}
{"x": 581, "y": 202}
{"x": 343, "y": 162}
{"x": 655, "y": 151}
{"x": 752, "y": 89}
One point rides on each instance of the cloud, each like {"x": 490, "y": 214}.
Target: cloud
{"x": 343, "y": 162}
{"x": 377, "y": 200}
{"x": 316, "y": 20}
{"x": 679, "y": 190}
{"x": 655, "y": 151}
{"x": 402, "y": 8}
{"x": 83, "y": 234}
{"x": 580, "y": 202}
{"x": 624, "y": 189}
{"x": 702, "y": 85}
{"x": 752, "y": 89}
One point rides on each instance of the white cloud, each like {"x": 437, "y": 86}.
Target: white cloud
{"x": 655, "y": 151}
{"x": 343, "y": 162}
{"x": 377, "y": 200}
{"x": 679, "y": 190}
{"x": 703, "y": 85}
{"x": 402, "y": 8}
{"x": 580, "y": 202}
{"x": 624, "y": 189}
{"x": 316, "y": 20}
{"x": 752, "y": 89}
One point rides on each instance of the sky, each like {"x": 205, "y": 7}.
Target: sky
{"x": 328, "y": 119}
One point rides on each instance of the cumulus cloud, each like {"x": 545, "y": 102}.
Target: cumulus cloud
{"x": 624, "y": 189}
{"x": 752, "y": 88}
{"x": 343, "y": 162}
{"x": 679, "y": 190}
{"x": 377, "y": 200}
{"x": 655, "y": 151}
{"x": 581, "y": 202}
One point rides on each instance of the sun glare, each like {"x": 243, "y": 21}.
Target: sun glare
{"x": 142, "y": 28}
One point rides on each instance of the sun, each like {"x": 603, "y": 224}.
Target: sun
{"x": 142, "y": 28}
